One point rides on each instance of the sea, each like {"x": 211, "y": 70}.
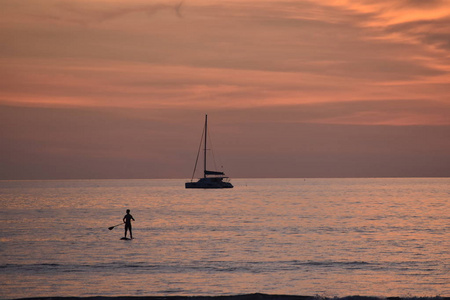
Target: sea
{"x": 382, "y": 237}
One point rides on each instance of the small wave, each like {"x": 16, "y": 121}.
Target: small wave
{"x": 210, "y": 266}
{"x": 330, "y": 263}
{"x": 55, "y": 267}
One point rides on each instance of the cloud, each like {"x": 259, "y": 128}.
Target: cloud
{"x": 100, "y": 13}
{"x": 431, "y": 4}
{"x": 434, "y": 33}
{"x": 294, "y": 36}
{"x": 91, "y": 12}
{"x": 368, "y": 112}
{"x": 411, "y": 20}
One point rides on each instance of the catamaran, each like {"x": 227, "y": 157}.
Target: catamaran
{"x": 211, "y": 179}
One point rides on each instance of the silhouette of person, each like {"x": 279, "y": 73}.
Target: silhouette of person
{"x": 127, "y": 220}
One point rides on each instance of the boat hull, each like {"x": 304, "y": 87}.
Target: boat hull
{"x": 209, "y": 183}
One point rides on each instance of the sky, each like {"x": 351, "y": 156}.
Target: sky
{"x": 100, "y": 89}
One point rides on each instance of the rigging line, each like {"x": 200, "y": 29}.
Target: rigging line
{"x": 198, "y": 154}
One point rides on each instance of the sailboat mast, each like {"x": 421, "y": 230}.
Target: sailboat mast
{"x": 204, "y": 154}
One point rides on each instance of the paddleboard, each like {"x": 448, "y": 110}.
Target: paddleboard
{"x": 125, "y": 239}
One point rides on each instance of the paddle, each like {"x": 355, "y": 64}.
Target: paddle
{"x": 112, "y": 227}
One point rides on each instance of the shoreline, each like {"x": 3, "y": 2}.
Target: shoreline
{"x": 255, "y": 296}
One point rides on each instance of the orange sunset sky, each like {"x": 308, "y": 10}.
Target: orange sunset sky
{"x": 319, "y": 88}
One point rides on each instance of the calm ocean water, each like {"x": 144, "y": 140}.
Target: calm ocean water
{"x": 329, "y": 237}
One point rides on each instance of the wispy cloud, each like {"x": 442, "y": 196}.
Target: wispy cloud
{"x": 101, "y": 13}
{"x": 415, "y": 21}
{"x": 234, "y": 54}
{"x": 93, "y": 12}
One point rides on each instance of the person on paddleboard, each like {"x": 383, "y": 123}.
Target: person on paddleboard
{"x": 127, "y": 220}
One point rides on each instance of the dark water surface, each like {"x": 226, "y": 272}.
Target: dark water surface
{"x": 328, "y": 237}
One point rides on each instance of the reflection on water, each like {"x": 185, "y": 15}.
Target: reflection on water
{"x": 380, "y": 237}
